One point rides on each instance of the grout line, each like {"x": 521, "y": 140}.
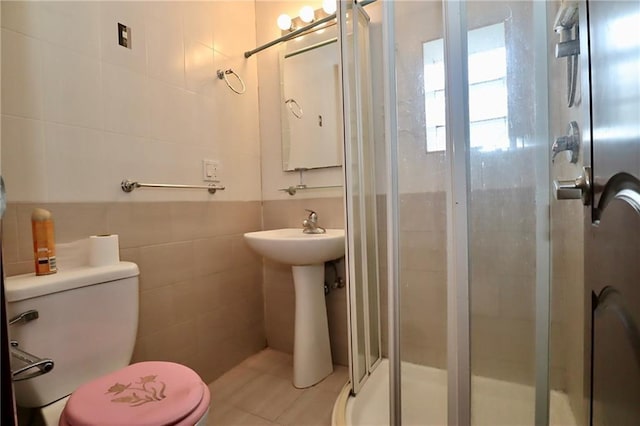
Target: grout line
{"x": 291, "y": 405}
{"x": 268, "y": 364}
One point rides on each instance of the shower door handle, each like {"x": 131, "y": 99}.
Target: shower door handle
{"x": 575, "y": 189}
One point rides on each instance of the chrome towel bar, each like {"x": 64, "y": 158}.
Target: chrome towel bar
{"x": 292, "y": 190}
{"x": 129, "y": 185}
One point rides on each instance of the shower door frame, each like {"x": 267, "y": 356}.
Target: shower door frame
{"x": 348, "y": 129}
{"x": 393, "y": 216}
{"x": 458, "y": 200}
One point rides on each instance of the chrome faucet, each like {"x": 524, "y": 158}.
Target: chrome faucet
{"x": 310, "y": 224}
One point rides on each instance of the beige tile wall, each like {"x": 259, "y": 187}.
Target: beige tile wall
{"x": 201, "y": 300}
{"x": 81, "y": 113}
{"x": 569, "y": 299}
{"x": 423, "y": 279}
{"x": 72, "y": 96}
{"x": 503, "y": 260}
{"x": 279, "y": 296}
{"x": 502, "y": 284}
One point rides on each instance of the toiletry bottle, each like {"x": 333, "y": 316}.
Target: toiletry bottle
{"x": 44, "y": 249}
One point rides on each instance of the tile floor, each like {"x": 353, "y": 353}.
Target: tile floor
{"x": 259, "y": 392}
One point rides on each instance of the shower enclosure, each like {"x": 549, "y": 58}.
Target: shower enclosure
{"x": 448, "y": 214}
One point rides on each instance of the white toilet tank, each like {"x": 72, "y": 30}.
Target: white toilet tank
{"x": 88, "y": 319}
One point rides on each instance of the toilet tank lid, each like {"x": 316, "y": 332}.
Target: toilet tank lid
{"x": 27, "y": 286}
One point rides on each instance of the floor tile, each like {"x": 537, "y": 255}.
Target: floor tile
{"x": 313, "y": 408}
{"x": 260, "y": 392}
{"x": 230, "y": 382}
{"x": 266, "y": 396}
{"x": 271, "y": 362}
{"x": 231, "y": 416}
{"x": 336, "y": 381}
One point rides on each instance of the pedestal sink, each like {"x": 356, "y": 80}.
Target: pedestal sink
{"x": 306, "y": 253}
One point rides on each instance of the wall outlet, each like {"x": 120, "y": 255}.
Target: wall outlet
{"x": 210, "y": 170}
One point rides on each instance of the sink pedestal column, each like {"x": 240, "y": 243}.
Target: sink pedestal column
{"x": 311, "y": 348}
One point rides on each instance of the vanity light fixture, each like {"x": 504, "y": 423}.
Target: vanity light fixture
{"x": 329, "y": 6}
{"x": 294, "y": 27}
{"x": 307, "y": 15}
{"x": 284, "y": 22}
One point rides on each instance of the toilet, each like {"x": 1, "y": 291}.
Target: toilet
{"x": 87, "y": 323}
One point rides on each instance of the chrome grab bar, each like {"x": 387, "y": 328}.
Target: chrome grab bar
{"x": 42, "y": 365}
{"x": 129, "y": 185}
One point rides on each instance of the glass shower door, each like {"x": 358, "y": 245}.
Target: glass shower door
{"x": 468, "y": 212}
{"x": 421, "y": 209}
{"x": 508, "y": 213}
{"x": 473, "y": 200}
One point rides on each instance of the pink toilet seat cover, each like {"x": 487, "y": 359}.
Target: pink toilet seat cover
{"x": 149, "y": 393}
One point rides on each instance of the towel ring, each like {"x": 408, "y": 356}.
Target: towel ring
{"x": 290, "y": 103}
{"x": 222, "y": 75}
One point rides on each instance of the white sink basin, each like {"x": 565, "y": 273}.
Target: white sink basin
{"x": 293, "y": 247}
{"x": 306, "y": 253}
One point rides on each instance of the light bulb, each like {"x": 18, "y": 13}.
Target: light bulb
{"x": 307, "y": 14}
{"x": 329, "y": 6}
{"x": 284, "y": 22}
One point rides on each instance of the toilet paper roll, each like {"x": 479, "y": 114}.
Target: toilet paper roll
{"x": 103, "y": 250}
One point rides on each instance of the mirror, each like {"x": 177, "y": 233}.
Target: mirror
{"x": 310, "y": 101}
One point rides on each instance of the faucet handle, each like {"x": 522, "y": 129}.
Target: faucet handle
{"x": 310, "y": 224}
{"x": 570, "y": 142}
{"x": 313, "y": 216}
